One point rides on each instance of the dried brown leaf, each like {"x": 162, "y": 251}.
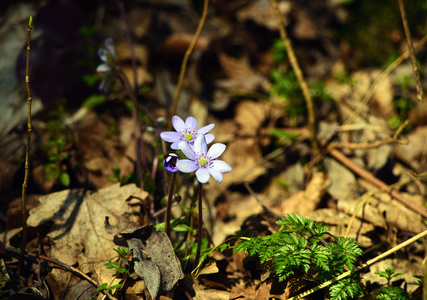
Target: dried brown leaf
{"x": 307, "y": 201}
{"x": 78, "y": 220}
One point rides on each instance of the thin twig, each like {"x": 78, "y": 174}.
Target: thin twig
{"x": 368, "y": 196}
{"x": 367, "y": 264}
{"x": 266, "y": 209}
{"x": 367, "y": 145}
{"x": 27, "y": 152}
{"x": 420, "y": 93}
{"x": 62, "y": 265}
{"x": 383, "y": 75}
{"x": 374, "y": 180}
{"x": 301, "y": 80}
{"x": 139, "y": 144}
{"x": 400, "y": 129}
{"x": 130, "y": 41}
{"x": 264, "y": 160}
{"x": 185, "y": 60}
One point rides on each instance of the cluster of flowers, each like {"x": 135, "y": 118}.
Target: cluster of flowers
{"x": 193, "y": 143}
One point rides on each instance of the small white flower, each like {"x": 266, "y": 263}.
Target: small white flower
{"x": 202, "y": 160}
{"x": 186, "y": 132}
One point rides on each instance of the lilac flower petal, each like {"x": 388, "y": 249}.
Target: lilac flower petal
{"x": 102, "y": 53}
{"x": 209, "y": 138}
{"x": 202, "y": 175}
{"x": 216, "y": 174}
{"x": 178, "y": 123}
{"x": 186, "y": 165}
{"x": 103, "y": 68}
{"x": 216, "y": 150}
{"x": 191, "y": 123}
{"x": 170, "y": 136}
{"x": 206, "y": 129}
{"x": 221, "y": 166}
{"x": 200, "y": 144}
{"x": 187, "y": 150}
{"x": 175, "y": 145}
{"x": 109, "y": 44}
{"x": 107, "y": 81}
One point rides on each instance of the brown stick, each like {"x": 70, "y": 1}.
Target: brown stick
{"x": 185, "y": 59}
{"x": 27, "y": 153}
{"x": 374, "y": 180}
{"x": 301, "y": 80}
{"x": 383, "y": 75}
{"x": 420, "y": 93}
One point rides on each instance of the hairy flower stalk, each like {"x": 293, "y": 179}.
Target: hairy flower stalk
{"x": 170, "y": 165}
{"x": 186, "y": 132}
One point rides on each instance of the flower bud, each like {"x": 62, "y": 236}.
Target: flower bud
{"x": 170, "y": 162}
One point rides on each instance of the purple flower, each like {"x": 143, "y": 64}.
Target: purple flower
{"x": 170, "y": 162}
{"x": 202, "y": 160}
{"x": 186, "y": 132}
{"x": 108, "y": 55}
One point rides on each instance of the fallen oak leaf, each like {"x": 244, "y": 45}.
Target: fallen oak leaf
{"x": 78, "y": 220}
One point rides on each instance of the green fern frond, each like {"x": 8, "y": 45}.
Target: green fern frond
{"x": 345, "y": 289}
{"x": 296, "y": 247}
{"x": 320, "y": 255}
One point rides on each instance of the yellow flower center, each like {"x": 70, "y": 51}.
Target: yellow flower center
{"x": 188, "y": 137}
{"x": 203, "y": 161}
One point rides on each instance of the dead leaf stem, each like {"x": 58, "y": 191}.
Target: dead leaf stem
{"x": 367, "y": 145}
{"x": 420, "y": 94}
{"x": 185, "y": 60}
{"x": 27, "y": 152}
{"x": 264, "y": 160}
{"x": 266, "y": 209}
{"x": 300, "y": 77}
{"x": 374, "y": 180}
{"x": 130, "y": 41}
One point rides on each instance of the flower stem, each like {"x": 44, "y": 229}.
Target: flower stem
{"x": 200, "y": 229}
{"x": 169, "y": 207}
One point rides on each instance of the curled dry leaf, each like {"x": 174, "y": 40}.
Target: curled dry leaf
{"x": 154, "y": 257}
